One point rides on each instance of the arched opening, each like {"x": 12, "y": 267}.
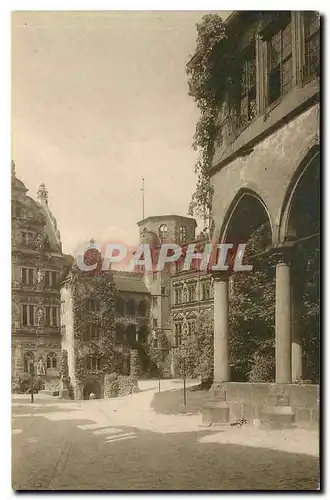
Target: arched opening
{"x": 120, "y": 306}
{"x": 131, "y": 335}
{"x": 51, "y": 361}
{"x": 29, "y": 363}
{"x": 303, "y": 227}
{"x": 92, "y": 387}
{"x": 252, "y": 294}
{"x": 143, "y": 334}
{"x": 120, "y": 335}
{"x": 130, "y": 307}
{"x": 142, "y": 308}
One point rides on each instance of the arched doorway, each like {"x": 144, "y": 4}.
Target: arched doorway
{"x": 251, "y": 294}
{"x": 301, "y": 225}
{"x": 92, "y": 386}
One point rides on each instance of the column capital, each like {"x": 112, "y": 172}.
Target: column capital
{"x": 220, "y": 275}
{"x": 281, "y": 255}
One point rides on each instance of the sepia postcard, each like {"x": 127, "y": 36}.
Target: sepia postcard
{"x": 165, "y": 249}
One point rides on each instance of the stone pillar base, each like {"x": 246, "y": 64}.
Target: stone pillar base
{"x": 278, "y": 417}
{"x": 215, "y": 412}
{"x": 64, "y": 394}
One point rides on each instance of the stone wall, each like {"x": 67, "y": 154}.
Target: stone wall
{"x": 119, "y": 385}
{"x": 249, "y": 401}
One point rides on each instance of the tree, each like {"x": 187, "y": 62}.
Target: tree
{"x": 195, "y": 358}
{"x": 100, "y": 284}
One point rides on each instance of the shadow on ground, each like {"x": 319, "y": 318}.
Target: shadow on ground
{"x": 57, "y": 455}
{"x": 172, "y": 402}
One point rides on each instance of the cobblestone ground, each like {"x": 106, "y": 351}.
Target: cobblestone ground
{"x": 123, "y": 444}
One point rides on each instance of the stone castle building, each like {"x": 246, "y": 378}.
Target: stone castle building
{"x": 265, "y": 171}
{"x": 37, "y": 261}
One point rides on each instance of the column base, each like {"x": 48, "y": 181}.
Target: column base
{"x": 278, "y": 414}
{"x": 215, "y": 412}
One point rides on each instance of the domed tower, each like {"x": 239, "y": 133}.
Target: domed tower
{"x": 154, "y": 231}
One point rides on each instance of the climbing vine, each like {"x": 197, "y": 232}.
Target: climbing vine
{"x": 207, "y": 81}
{"x": 96, "y": 284}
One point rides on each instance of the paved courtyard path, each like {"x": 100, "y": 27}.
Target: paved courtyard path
{"x": 122, "y": 444}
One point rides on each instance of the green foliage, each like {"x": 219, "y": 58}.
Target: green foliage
{"x": 194, "y": 359}
{"x": 158, "y": 355}
{"x": 206, "y": 83}
{"x": 97, "y": 284}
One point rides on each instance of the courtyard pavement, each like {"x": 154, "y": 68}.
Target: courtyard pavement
{"x": 123, "y": 444}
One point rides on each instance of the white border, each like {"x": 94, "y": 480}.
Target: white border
{"x": 5, "y": 8}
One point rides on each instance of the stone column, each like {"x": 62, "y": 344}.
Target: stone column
{"x": 283, "y": 321}
{"x": 221, "y": 351}
{"x": 297, "y": 352}
{"x": 216, "y": 409}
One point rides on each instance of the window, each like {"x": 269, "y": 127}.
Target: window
{"x": 94, "y": 363}
{"x": 279, "y": 61}
{"x": 183, "y": 234}
{"x": 178, "y": 295}
{"x": 51, "y": 360}
{"x": 155, "y": 301}
{"x": 63, "y": 330}
{"x": 120, "y": 306}
{"x": 163, "y": 290}
{"x": 51, "y": 316}
{"x": 247, "y": 90}
{"x": 62, "y": 306}
{"x": 28, "y": 315}
{"x": 178, "y": 334}
{"x": 205, "y": 291}
{"x": 27, "y": 274}
{"x": 312, "y": 43}
{"x": 142, "y": 308}
{"x": 93, "y": 305}
{"x": 191, "y": 327}
{"x": 155, "y": 322}
{"x": 120, "y": 335}
{"x": 163, "y": 231}
{"x": 29, "y": 362}
{"x": 92, "y": 332}
{"x": 50, "y": 279}
{"x": 27, "y": 237}
{"x": 155, "y": 343}
{"x": 191, "y": 293}
{"x": 130, "y": 307}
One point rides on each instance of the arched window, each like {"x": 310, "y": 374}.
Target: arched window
{"x": 130, "y": 307}
{"x": 29, "y": 362}
{"x": 51, "y": 360}
{"x": 163, "y": 231}
{"x": 142, "y": 308}
{"x": 120, "y": 306}
{"x": 183, "y": 234}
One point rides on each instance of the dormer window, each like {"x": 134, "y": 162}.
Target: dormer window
{"x": 279, "y": 60}
{"x": 183, "y": 234}
{"x": 163, "y": 232}
{"x": 247, "y": 90}
{"x": 312, "y": 44}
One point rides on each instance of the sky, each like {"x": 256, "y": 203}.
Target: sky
{"x": 100, "y": 100}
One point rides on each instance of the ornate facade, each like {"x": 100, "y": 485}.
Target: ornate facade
{"x": 37, "y": 261}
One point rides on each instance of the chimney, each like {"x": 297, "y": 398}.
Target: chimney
{"x": 42, "y": 194}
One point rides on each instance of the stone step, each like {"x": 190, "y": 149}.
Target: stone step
{"x": 278, "y": 417}
{"x": 215, "y": 412}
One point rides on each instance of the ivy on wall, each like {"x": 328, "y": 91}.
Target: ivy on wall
{"x": 207, "y": 81}
{"x": 96, "y": 284}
